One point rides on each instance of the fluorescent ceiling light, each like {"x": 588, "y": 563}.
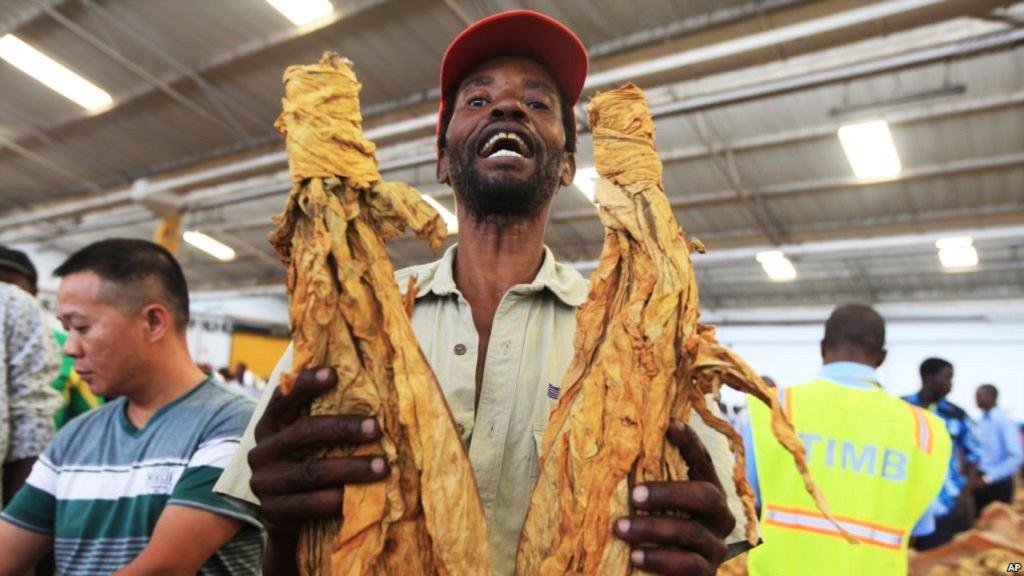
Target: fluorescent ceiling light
{"x": 302, "y": 12}
{"x": 870, "y": 150}
{"x": 53, "y": 74}
{"x": 777, "y": 266}
{"x": 957, "y": 253}
{"x": 586, "y": 182}
{"x": 214, "y": 248}
{"x": 450, "y": 221}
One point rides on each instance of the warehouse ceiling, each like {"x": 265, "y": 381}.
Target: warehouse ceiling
{"x": 748, "y": 98}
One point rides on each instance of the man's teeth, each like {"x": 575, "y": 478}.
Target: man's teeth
{"x": 501, "y": 153}
{"x": 493, "y": 141}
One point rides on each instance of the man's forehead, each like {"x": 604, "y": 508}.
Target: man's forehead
{"x": 533, "y": 74}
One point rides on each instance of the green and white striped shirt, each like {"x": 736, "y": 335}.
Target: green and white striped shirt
{"x": 101, "y": 485}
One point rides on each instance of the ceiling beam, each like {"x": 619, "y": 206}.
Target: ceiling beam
{"x": 818, "y": 186}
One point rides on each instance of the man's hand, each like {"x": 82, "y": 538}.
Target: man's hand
{"x": 293, "y": 486}
{"x": 686, "y": 523}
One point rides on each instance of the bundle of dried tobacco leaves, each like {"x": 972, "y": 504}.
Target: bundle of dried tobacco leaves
{"x": 641, "y": 357}
{"x": 347, "y": 313}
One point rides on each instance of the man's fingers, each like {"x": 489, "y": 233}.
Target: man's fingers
{"x": 670, "y": 562}
{"x": 282, "y": 410}
{"x": 693, "y": 452}
{"x": 697, "y": 499}
{"x": 672, "y": 532}
{"x": 309, "y": 432}
{"x": 285, "y": 509}
{"x": 315, "y": 473}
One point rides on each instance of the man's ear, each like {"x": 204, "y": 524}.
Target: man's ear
{"x": 159, "y": 322}
{"x": 442, "y": 166}
{"x": 568, "y": 169}
{"x": 881, "y": 357}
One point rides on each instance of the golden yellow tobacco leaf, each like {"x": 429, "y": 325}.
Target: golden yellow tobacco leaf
{"x": 641, "y": 357}
{"x": 347, "y": 313}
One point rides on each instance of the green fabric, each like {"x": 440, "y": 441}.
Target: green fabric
{"x": 78, "y": 399}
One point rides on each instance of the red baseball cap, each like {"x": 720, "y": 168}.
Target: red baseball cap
{"x": 522, "y": 33}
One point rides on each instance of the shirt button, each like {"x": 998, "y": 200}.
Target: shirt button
{"x": 460, "y": 349}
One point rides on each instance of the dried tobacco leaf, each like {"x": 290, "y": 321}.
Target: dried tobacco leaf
{"x": 346, "y": 311}
{"x": 641, "y": 357}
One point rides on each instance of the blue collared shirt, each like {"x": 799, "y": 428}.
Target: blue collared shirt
{"x": 853, "y": 375}
{"x": 1001, "y": 451}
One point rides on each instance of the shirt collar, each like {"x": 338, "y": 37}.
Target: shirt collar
{"x": 853, "y": 374}
{"x": 563, "y": 281}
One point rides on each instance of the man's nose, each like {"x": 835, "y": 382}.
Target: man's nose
{"x": 72, "y": 347}
{"x": 508, "y": 108}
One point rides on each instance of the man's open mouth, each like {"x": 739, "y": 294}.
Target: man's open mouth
{"x": 505, "y": 143}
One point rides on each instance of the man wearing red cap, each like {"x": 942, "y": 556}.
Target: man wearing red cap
{"x": 495, "y": 317}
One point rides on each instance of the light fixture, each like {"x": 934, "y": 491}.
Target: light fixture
{"x": 450, "y": 221}
{"x": 214, "y": 248}
{"x": 870, "y": 150}
{"x": 776, "y": 266}
{"x": 53, "y": 74}
{"x": 302, "y": 12}
{"x": 586, "y": 182}
{"x": 957, "y": 253}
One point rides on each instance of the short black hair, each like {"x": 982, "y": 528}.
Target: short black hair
{"x": 19, "y": 262}
{"x": 568, "y": 121}
{"x": 128, "y": 263}
{"x": 932, "y": 366}
{"x": 855, "y": 326}
{"x": 991, "y": 388}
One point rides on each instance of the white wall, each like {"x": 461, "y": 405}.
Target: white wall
{"x": 982, "y": 346}
{"x": 209, "y": 340}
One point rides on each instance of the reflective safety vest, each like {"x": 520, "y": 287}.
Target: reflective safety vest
{"x": 880, "y": 462}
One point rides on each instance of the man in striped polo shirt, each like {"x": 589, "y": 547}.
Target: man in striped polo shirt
{"x": 127, "y": 488}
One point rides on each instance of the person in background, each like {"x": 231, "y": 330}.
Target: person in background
{"x": 247, "y": 377}
{"x": 1001, "y": 451}
{"x": 29, "y": 361}
{"x": 952, "y": 508}
{"x": 16, "y": 268}
{"x": 247, "y": 382}
{"x": 495, "y": 317}
{"x": 878, "y": 461}
{"x": 127, "y": 488}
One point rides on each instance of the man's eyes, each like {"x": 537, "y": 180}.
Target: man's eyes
{"x": 480, "y": 102}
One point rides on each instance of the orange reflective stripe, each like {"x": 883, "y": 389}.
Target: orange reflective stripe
{"x": 922, "y": 429}
{"x": 869, "y": 533}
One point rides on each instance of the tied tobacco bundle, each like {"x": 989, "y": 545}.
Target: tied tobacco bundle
{"x": 641, "y": 357}
{"x": 347, "y": 312}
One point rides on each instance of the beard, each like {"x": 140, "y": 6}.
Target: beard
{"x": 502, "y": 197}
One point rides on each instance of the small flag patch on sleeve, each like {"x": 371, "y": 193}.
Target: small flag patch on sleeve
{"x": 553, "y": 391}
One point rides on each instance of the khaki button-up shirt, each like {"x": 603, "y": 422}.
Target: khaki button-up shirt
{"x": 529, "y": 351}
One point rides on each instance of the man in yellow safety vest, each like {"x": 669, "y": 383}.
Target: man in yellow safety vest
{"x": 879, "y": 460}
